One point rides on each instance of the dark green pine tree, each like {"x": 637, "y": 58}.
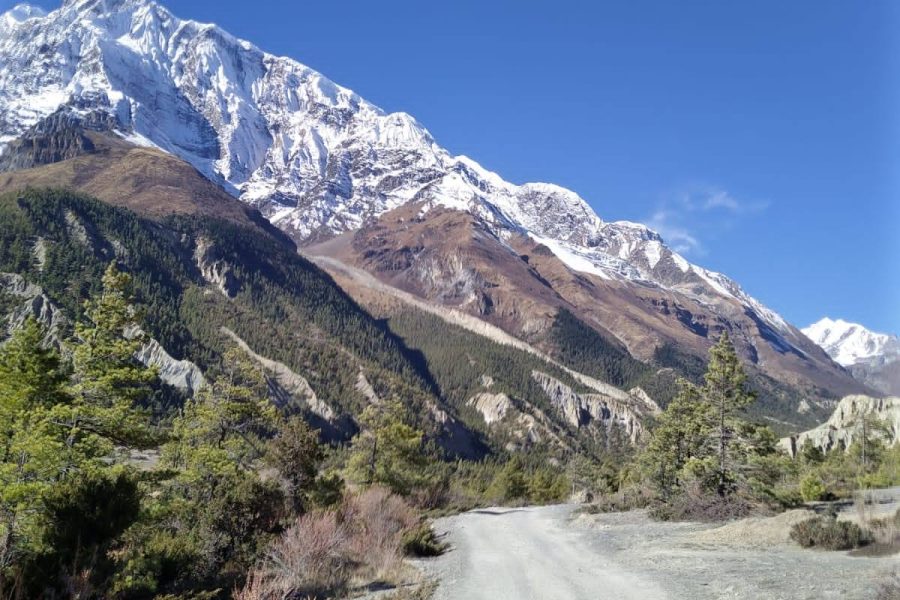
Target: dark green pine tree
{"x": 726, "y": 390}
{"x": 31, "y": 372}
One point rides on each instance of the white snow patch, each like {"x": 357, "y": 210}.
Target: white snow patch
{"x": 571, "y": 257}
{"x": 679, "y": 261}
{"x": 653, "y": 252}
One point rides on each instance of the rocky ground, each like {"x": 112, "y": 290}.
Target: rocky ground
{"x": 556, "y": 553}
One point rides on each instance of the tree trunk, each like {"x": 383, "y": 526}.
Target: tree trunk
{"x": 722, "y": 434}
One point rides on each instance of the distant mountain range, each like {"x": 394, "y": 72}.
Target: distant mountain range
{"x": 372, "y": 198}
{"x": 873, "y": 358}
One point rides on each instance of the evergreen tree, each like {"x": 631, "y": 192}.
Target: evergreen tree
{"x": 33, "y": 453}
{"x": 58, "y": 440}
{"x": 726, "y": 391}
{"x": 109, "y": 383}
{"x": 222, "y": 430}
{"x": 31, "y": 372}
{"x": 296, "y": 454}
{"x": 682, "y": 433}
{"x": 106, "y": 370}
{"x": 388, "y": 450}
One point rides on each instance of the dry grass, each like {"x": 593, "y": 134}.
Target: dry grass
{"x": 882, "y": 531}
{"x": 889, "y": 588}
{"x": 323, "y": 553}
{"x": 145, "y": 180}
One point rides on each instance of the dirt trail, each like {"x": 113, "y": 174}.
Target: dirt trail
{"x": 529, "y": 554}
{"x": 548, "y": 553}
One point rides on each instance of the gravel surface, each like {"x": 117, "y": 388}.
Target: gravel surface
{"x": 550, "y": 553}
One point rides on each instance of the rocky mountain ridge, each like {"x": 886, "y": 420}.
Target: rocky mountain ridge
{"x": 320, "y": 162}
{"x": 315, "y": 157}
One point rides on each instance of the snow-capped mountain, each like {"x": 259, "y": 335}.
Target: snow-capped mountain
{"x": 873, "y": 358}
{"x": 314, "y": 157}
{"x": 851, "y": 343}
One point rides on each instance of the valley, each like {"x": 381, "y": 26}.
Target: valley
{"x": 261, "y": 339}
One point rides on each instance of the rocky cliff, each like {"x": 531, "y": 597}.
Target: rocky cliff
{"x": 846, "y": 424}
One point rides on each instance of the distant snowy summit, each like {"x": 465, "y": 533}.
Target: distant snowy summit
{"x": 873, "y": 358}
{"x": 851, "y": 343}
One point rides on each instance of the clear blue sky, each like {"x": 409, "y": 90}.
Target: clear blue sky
{"x": 761, "y": 137}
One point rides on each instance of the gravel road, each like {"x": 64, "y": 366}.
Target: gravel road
{"x": 529, "y": 554}
{"x": 547, "y": 553}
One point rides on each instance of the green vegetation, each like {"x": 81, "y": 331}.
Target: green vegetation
{"x": 282, "y": 306}
{"x": 237, "y": 480}
{"x": 587, "y": 351}
{"x": 464, "y": 364}
{"x": 237, "y": 484}
{"x": 828, "y": 533}
{"x": 704, "y": 460}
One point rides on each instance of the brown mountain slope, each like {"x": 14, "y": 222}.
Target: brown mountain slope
{"x": 449, "y": 258}
{"x": 145, "y": 180}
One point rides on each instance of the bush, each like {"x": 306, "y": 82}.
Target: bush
{"x": 423, "y": 541}
{"x": 322, "y": 550}
{"x": 828, "y": 533}
{"x": 697, "y": 504}
{"x": 310, "y": 558}
{"x": 812, "y": 488}
{"x": 621, "y": 501}
{"x": 377, "y": 520}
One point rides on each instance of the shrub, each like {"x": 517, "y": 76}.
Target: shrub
{"x": 423, "y": 541}
{"x": 377, "y": 520}
{"x": 828, "y": 533}
{"x": 697, "y": 504}
{"x": 890, "y": 588}
{"x": 310, "y": 558}
{"x": 812, "y": 488}
{"x": 621, "y": 501}
{"x": 322, "y": 550}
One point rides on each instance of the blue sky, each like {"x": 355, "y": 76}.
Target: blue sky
{"x": 761, "y": 138}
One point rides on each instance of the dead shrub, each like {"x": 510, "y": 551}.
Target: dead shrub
{"x": 376, "y": 521}
{"x": 621, "y": 501}
{"x": 890, "y": 587}
{"x": 311, "y": 558}
{"x": 323, "y": 551}
{"x": 697, "y": 504}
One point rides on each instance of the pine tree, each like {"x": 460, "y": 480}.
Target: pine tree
{"x": 59, "y": 436}
{"x": 109, "y": 384}
{"x": 388, "y": 450}
{"x": 31, "y": 373}
{"x": 296, "y": 454}
{"x": 221, "y": 431}
{"x": 682, "y": 433}
{"x": 32, "y": 452}
{"x": 726, "y": 391}
{"x": 106, "y": 372}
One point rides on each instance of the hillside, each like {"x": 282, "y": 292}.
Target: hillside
{"x": 209, "y": 283}
{"x": 205, "y": 283}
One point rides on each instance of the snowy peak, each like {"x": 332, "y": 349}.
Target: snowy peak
{"x": 317, "y": 159}
{"x": 851, "y": 343}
